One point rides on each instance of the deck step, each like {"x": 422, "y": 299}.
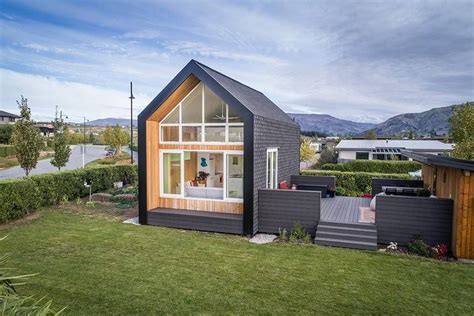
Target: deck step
{"x": 346, "y": 243}
{"x": 350, "y": 225}
{"x": 347, "y": 236}
{"x": 347, "y": 230}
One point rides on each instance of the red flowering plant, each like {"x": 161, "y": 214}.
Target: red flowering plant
{"x": 366, "y": 195}
{"x": 440, "y": 251}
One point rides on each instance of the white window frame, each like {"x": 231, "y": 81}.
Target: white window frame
{"x": 272, "y": 154}
{"x": 224, "y": 153}
{"x": 203, "y": 125}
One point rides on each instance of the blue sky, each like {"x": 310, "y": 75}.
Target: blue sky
{"x": 358, "y": 60}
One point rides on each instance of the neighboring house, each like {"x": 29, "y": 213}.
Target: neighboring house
{"x": 321, "y": 144}
{"x": 46, "y": 131}
{"x": 8, "y": 118}
{"x": 452, "y": 179}
{"x": 207, "y": 145}
{"x": 366, "y": 149}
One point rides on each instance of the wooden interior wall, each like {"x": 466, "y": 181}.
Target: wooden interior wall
{"x": 458, "y": 185}
{"x": 190, "y": 167}
{"x": 153, "y": 164}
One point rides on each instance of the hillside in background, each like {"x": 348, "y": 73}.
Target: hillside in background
{"x": 111, "y": 122}
{"x": 329, "y": 125}
{"x": 436, "y": 120}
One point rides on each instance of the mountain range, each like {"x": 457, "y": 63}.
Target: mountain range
{"x": 434, "y": 120}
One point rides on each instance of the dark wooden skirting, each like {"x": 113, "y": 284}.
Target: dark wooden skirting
{"x": 342, "y": 209}
{"x": 403, "y": 218}
{"x": 284, "y": 208}
{"x": 377, "y": 184}
{"x": 197, "y": 220}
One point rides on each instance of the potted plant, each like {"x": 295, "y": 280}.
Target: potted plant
{"x": 202, "y": 176}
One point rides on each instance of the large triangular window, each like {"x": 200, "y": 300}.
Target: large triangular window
{"x": 202, "y": 117}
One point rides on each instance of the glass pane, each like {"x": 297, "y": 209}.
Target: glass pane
{"x": 235, "y": 176}
{"x": 236, "y": 133}
{"x": 214, "y": 107}
{"x": 170, "y": 133}
{"x": 172, "y": 173}
{"x": 234, "y": 117}
{"x": 173, "y": 117}
{"x": 275, "y": 172}
{"x": 203, "y": 175}
{"x": 191, "y": 111}
{"x": 191, "y": 133}
{"x": 214, "y": 133}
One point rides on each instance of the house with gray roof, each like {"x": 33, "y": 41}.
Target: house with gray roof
{"x": 388, "y": 149}
{"x": 8, "y": 118}
{"x": 207, "y": 144}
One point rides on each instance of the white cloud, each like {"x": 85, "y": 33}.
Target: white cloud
{"x": 75, "y": 99}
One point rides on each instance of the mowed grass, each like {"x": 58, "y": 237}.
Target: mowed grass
{"x": 94, "y": 264}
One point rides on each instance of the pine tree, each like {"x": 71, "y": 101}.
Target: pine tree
{"x": 26, "y": 138}
{"x": 62, "y": 151}
{"x": 371, "y": 134}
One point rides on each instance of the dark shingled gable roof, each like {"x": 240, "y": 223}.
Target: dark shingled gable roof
{"x": 3, "y": 113}
{"x": 442, "y": 161}
{"x": 255, "y": 101}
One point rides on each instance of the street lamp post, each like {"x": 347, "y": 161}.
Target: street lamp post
{"x": 84, "y": 144}
{"x": 131, "y": 122}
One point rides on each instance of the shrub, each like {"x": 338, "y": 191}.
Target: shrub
{"x": 20, "y": 196}
{"x": 353, "y": 183}
{"x": 299, "y": 234}
{"x": 374, "y": 166}
{"x": 420, "y": 248}
{"x": 7, "y": 151}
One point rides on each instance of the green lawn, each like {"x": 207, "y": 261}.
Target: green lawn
{"x": 94, "y": 264}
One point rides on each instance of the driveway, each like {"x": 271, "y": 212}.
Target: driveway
{"x": 93, "y": 152}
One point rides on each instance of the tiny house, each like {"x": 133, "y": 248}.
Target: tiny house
{"x": 207, "y": 144}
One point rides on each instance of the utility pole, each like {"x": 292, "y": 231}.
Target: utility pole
{"x": 84, "y": 145}
{"x": 131, "y": 122}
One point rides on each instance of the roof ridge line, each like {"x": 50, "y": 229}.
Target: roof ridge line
{"x": 220, "y": 73}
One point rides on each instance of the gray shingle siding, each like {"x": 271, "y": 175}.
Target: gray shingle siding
{"x": 269, "y": 133}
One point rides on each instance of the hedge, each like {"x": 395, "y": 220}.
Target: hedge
{"x": 354, "y": 183}
{"x": 6, "y": 151}
{"x": 20, "y": 196}
{"x": 374, "y": 166}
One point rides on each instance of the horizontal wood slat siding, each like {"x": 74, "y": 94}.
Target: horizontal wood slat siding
{"x": 222, "y": 224}
{"x": 203, "y": 205}
{"x": 401, "y": 219}
{"x": 314, "y": 180}
{"x": 378, "y": 183}
{"x": 201, "y": 146}
{"x": 283, "y": 208}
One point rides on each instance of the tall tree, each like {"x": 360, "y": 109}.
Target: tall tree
{"x": 370, "y": 134}
{"x": 62, "y": 151}
{"x": 307, "y": 153}
{"x": 461, "y": 129}
{"x": 116, "y": 138}
{"x": 26, "y": 138}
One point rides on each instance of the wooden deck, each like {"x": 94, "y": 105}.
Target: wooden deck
{"x": 342, "y": 209}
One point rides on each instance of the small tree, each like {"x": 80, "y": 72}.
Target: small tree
{"x": 461, "y": 129}
{"x": 116, "y": 138}
{"x": 307, "y": 153}
{"x": 411, "y": 135}
{"x": 371, "y": 134}
{"x": 26, "y": 138}
{"x": 62, "y": 151}
{"x": 327, "y": 156}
